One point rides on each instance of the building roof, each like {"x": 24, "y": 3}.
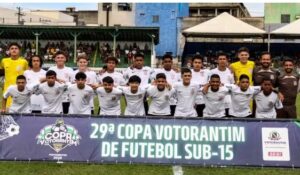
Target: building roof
{"x": 223, "y": 25}
{"x": 289, "y": 30}
{"x": 91, "y": 33}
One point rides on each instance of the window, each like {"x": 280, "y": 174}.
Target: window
{"x": 285, "y": 18}
{"x": 193, "y": 12}
{"x": 207, "y": 12}
{"x": 106, "y": 6}
{"x": 124, "y": 7}
{"x": 155, "y": 19}
{"x": 173, "y": 14}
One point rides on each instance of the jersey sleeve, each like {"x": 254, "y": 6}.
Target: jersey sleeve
{"x": 278, "y": 104}
{"x": 7, "y": 93}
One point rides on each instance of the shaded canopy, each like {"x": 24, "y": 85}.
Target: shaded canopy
{"x": 223, "y": 26}
{"x": 291, "y": 30}
{"x": 85, "y": 33}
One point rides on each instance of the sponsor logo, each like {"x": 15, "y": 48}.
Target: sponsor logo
{"x": 275, "y": 144}
{"x": 58, "y": 136}
{"x": 274, "y": 135}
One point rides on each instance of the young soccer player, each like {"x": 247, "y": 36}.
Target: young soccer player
{"x": 12, "y": 67}
{"x": 33, "y": 77}
{"x": 134, "y": 95}
{"x": 200, "y": 77}
{"x": 20, "y": 95}
{"x": 186, "y": 93}
{"x": 241, "y": 97}
{"x": 52, "y": 92}
{"x": 111, "y": 63}
{"x": 267, "y": 101}
{"x": 64, "y": 75}
{"x": 160, "y": 95}
{"x": 109, "y": 97}
{"x": 143, "y": 72}
{"x": 214, "y": 98}
{"x": 91, "y": 76}
{"x": 226, "y": 76}
{"x": 171, "y": 76}
{"x": 243, "y": 66}
{"x": 80, "y": 95}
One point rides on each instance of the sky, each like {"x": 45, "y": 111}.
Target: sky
{"x": 255, "y": 9}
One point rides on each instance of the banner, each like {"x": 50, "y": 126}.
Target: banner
{"x": 190, "y": 141}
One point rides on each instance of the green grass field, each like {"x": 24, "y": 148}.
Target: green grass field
{"x": 50, "y": 168}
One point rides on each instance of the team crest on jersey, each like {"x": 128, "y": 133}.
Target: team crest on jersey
{"x": 145, "y": 72}
{"x": 295, "y": 83}
{"x": 271, "y": 104}
{"x": 113, "y": 98}
{"x": 167, "y": 97}
{"x": 58, "y": 136}
{"x": 140, "y": 96}
{"x": 221, "y": 98}
{"x": 272, "y": 77}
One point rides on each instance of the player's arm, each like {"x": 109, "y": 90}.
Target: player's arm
{"x": 3, "y": 109}
{"x": 4, "y": 100}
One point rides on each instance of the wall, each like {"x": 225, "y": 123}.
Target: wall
{"x": 116, "y": 17}
{"x": 170, "y": 22}
{"x": 273, "y": 11}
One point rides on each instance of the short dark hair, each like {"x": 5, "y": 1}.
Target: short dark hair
{"x": 160, "y": 75}
{"x": 30, "y": 60}
{"x": 167, "y": 56}
{"x": 21, "y": 77}
{"x": 198, "y": 57}
{"x": 14, "y": 44}
{"x": 244, "y": 76}
{"x": 287, "y": 59}
{"x": 265, "y": 53}
{"x": 266, "y": 79}
{"x": 50, "y": 73}
{"x": 214, "y": 76}
{"x": 60, "y": 53}
{"x": 108, "y": 80}
{"x": 222, "y": 54}
{"x": 243, "y": 49}
{"x": 139, "y": 54}
{"x": 185, "y": 70}
{"x": 134, "y": 79}
{"x": 110, "y": 58}
{"x": 80, "y": 75}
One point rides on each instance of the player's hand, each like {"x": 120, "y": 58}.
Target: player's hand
{"x": 169, "y": 86}
{"x": 94, "y": 86}
{"x": 280, "y": 96}
{"x": 61, "y": 81}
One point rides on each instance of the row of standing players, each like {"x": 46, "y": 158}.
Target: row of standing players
{"x": 223, "y": 91}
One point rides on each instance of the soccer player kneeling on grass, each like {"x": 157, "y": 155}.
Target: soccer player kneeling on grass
{"x": 186, "y": 93}
{"x": 20, "y": 95}
{"x": 109, "y": 97}
{"x": 160, "y": 96}
{"x": 267, "y": 101}
{"x": 134, "y": 96}
{"x": 80, "y": 95}
{"x": 214, "y": 98}
{"x": 241, "y": 97}
{"x": 52, "y": 92}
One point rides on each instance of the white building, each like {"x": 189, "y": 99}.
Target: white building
{"x": 36, "y": 17}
